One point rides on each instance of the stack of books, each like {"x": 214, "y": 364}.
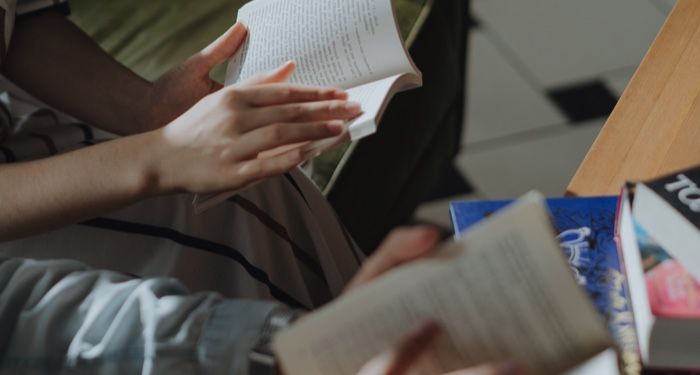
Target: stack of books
{"x": 660, "y": 243}
{"x": 637, "y": 256}
{"x": 585, "y": 230}
{"x": 564, "y": 284}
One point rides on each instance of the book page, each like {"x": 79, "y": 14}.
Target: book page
{"x": 504, "y": 291}
{"x": 336, "y": 43}
{"x": 374, "y": 98}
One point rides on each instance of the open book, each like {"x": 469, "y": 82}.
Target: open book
{"x": 503, "y": 291}
{"x": 354, "y": 45}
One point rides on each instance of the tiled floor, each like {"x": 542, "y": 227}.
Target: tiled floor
{"x": 543, "y": 77}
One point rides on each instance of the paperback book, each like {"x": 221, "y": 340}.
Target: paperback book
{"x": 502, "y": 291}
{"x": 669, "y": 209}
{"x": 586, "y": 233}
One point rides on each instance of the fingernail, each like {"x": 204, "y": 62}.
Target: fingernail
{"x": 336, "y": 127}
{"x": 427, "y": 328}
{"x": 429, "y": 235}
{"x": 340, "y": 94}
{"x": 353, "y": 107}
{"x": 295, "y": 157}
{"x": 281, "y": 68}
{"x": 509, "y": 368}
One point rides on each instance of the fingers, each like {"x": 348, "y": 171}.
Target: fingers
{"x": 222, "y": 48}
{"x": 273, "y": 136}
{"x": 255, "y": 170}
{"x": 505, "y": 368}
{"x": 399, "y": 360}
{"x": 400, "y": 247}
{"x": 279, "y": 75}
{"x": 278, "y": 94}
{"x": 302, "y": 112}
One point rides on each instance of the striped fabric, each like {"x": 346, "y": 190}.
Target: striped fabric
{"x": 266, "y": 243}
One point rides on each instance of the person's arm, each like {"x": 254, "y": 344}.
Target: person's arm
{"x": 54, "y": 60}
{"x": 60, "y": 316}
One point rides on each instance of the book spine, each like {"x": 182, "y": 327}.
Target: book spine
{"x": 621, "y": 324}
{"x": 622, "y": 318}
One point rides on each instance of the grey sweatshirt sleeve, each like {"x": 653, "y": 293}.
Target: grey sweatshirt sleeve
{"x": 62, "y": 317}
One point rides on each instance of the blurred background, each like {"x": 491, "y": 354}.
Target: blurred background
{"x": 543, "y": 76}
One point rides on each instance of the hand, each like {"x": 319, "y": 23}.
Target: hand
{"x": 215, "y": 146}
{"x": 407, "y": 353}
{"x": 183, "y": 86}
{"x": 400, "y": 247}
{"x": 403, "y": 246}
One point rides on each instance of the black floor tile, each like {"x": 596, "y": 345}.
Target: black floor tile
{"x": 584, "y": 101}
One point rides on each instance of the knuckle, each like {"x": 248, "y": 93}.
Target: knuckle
{"x": 295, "y": 112}
{"x": 277, "y": 133}
{"x": 287, "y": 93}
{"x": 335, "y": 107}
{"x": 233, "y": 94}
{"x": 311, "y": 130}
{"x": 234, "y": 119}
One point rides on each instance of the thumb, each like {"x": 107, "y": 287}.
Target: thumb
{"x": 400, "y": 247}
{"x": 279, "y": 75}
{"x": 222, "y": 48}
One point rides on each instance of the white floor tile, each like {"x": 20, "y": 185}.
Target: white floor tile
{"x": 544, "y": 162}
{"x": 665, "y": 5}
{"x": 565, "y": 41}
{"x": 438, "y": 212}
{"x": 500, "y": 100}
{"x": 617, "y": 81}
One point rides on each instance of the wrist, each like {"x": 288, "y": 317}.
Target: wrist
{"x": 152, "y": 177}
{"x": 262, "y": 359}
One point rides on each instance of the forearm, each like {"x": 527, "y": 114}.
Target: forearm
{"x": 54, "y": 60}
{"x": 82, "y": 320}
{"x": 49, "y": 193}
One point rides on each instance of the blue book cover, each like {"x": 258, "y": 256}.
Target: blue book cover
{"x": 586, "y": 231}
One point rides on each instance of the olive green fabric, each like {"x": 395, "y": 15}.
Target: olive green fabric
{"x": 152, "y": 36}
